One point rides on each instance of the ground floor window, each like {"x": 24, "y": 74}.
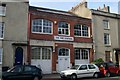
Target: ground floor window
{"x": 41, "y": 53}
{"x": 1, "y": 55}
{"x": 81, "y": 54}
{"x": 107, "y": 55}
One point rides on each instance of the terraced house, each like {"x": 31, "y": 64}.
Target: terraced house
{"x": 106, "y": 33}
{"x": 55, "y": 40}
{"x": 58, "y": 39}
{"x": 13, "y": 33}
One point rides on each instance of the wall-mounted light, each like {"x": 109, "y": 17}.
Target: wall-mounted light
{"x": 56, "y": 45}
{"x": 91, "y": 36}
{"x": 55, "y": 22}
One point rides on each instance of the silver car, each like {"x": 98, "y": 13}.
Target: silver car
{"x": 81, "y": 70}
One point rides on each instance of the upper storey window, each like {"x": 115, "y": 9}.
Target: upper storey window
{"x": 81, "y": 30}
{"x": 63, "y": 28}
{"x": 42, "y": 26}
{"x": 106, "y": 24}
{"x": 2, "y": 9}
{"x": 107, "y": 39}
{"x": 1, "y": 30}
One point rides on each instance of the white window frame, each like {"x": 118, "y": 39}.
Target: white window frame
{"x": 63, "y": 30}
{"x": 2, "y": 10}
{"x": 107, "y": 39}
{"x": 2, "y": 25}
{"x": 80, "y": 30}
{"x": 1, "y": 55}
{"x": 106, "y": 24}
{"x": 40, "y": 55}
{"x": 79, "y": 54}
{"x": 38, "y": 25}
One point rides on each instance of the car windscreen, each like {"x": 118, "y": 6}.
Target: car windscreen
{"x": 111, "y": 64}
{"x": 75, "y": 67}
{"x": 15, "y": 69}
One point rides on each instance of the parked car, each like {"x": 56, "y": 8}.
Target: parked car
{"x": 23, "y": 72}
{"x": 81, "y": 70}
{"x": 108, "y": 69}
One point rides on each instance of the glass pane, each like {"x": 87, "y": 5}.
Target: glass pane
{"x": 46, "y": 52}
{"x": 35, "y": 53}
{"x": 63, "y": 28}
{"x": 63, "y": 52}
{"x": 16, "y": 69}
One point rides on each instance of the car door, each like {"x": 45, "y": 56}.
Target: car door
{"x": 91, "y": 69}
{"x": 15, "y": 73}
{"x": 82, "y": 71}
{"x": 27, "y": 72}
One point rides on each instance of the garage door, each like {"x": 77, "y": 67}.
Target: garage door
{"x": 41, "y": 57}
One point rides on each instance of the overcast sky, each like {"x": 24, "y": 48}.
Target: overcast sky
{"x": 66, "y": 5}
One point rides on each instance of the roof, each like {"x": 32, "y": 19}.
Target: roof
{"x": 50, "y": 10}
{"x": 54, "y": 11}
{"x": 103, "y": 13}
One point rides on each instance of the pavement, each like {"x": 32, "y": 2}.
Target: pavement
{"x": 51, "y": 76}
{"x": 56, "y": 76}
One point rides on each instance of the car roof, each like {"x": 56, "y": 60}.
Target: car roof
{"x": 85, "y": 64}
{"x": 26, "y": 65}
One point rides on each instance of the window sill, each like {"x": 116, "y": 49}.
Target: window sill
{"x": 63, "y": 35}
{"x": 83, "y": 36}
{"x": 42, "y": 33}
{"x": 1, "y": 38}
{"x": 2, "y": 15}
{"x": 107, "y": 45}
{"x": 106, "y": 29}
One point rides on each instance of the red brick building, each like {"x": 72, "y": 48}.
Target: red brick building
{"x": 58, "y": 39}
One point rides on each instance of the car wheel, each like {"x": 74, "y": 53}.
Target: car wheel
{"x": 95, "y": 75}
{"x": 62, "y": 78}
{"x": 73, "y": 77}
{"x": 36, "y": 78}
{"x": 107, "y": 74}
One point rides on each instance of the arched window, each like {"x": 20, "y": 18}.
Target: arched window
{"x": 81, "y": 54}
{"x": 63, "y": 52}
{"x": 43, "y": 53}
{"x": 63, "y": 28}
{"x": 42, "y": 26}
{"x": 81, "y": 30}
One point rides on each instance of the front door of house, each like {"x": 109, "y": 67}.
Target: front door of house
{"x": 63, "y": 59}
{"x": 18, "y": 56}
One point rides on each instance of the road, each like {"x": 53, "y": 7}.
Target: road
{"x": 110, "y": 78}
{"x": 113, "y": 78}
{"x": 57, "y": 77}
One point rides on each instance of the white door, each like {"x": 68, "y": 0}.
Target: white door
{"x": 41, "y": 57}
{"x": 63, "y": 59}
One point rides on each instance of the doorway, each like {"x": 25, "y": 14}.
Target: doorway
{"x": 19, "y": 56}
{"x": 63, "y": 59}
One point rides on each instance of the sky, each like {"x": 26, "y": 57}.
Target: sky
{"x": 66, "y": 5}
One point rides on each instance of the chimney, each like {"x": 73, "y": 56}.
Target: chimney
{"x": 86, "y": 4}
{"x": 108, "y": 7}
{"x": 105, "y": 8}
